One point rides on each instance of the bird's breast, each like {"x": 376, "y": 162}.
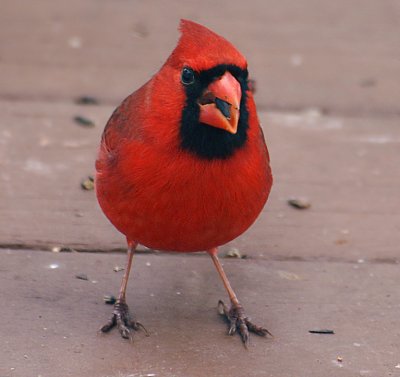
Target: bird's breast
{"x": 174, "y": 201}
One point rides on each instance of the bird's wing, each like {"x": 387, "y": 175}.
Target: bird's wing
{"x": 120, "y": 126}
{"x": 125, "y": 127}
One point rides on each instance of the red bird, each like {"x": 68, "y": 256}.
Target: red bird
{"x": 183, "y": 164}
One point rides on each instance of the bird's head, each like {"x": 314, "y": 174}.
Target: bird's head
{"x": 206, "y": 79}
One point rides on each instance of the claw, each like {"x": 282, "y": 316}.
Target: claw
{"x": 109, "y": 325}
{"x": 257, "y": 329}
{"x": 137, "y": 326}
{"x": 232, "y": 329}
{"x": 239, "y": 323}
{"x": 124, "y": 322}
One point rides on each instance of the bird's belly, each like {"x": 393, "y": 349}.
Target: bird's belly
{"x": 194, "y": 210}
{"x": 181, "y": 225}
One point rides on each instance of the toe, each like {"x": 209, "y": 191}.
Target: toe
{"x": 109, "y": 325}
{"x": 257, "y": 329}
{"x": 125, "y": 331}
{"x": 238, "y": 322}
{"x": 137, "y": 326}
{"x": 243, "y": 331}
{"x": 122, "y": 319}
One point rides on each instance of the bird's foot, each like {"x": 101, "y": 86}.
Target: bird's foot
{"x": 239, "y": 322}
{"x": 125, "y": 323}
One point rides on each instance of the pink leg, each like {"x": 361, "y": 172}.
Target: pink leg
{"x": 121, "y": 316}
{"x": 235, "y": 315}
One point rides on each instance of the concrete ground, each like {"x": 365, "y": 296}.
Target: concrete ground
{"x": 328, "y": 89}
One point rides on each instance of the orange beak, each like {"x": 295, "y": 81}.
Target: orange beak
{"x": 220, "y": 103}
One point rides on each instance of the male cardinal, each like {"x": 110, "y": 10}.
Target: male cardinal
{"x": 183, "y": 164}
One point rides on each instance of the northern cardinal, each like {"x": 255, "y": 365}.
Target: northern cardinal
{"x": 183, "y": 164}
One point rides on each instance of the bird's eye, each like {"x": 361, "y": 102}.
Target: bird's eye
{"x": 187, "y": 76}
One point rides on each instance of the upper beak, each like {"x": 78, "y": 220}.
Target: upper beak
{"x": 220, "y": 103}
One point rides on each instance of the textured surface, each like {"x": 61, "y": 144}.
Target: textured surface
{"x": 328, "y": 88}
{"x": 51, "y": 318}
{"x": 341, "y": 55}
{"x": 346, "y": 167}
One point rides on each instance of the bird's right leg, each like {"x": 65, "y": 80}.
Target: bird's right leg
{"x": 121, "y": 317}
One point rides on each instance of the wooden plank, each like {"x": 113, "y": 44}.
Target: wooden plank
{"x": 339, "y": 56}
{"x": 347, "y": 167}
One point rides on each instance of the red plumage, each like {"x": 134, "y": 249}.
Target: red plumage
{"x": 161, "y": 196}
{"x": 183, "y": 165}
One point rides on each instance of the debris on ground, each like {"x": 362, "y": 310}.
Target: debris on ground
{"x": 81, "y": 276}
{"x": 299, "y": 203}
{"x": 339, "y": 359}
{"x": 83, "y": 121}
{"x": 62, "y": 249}
{"x": 235, "y": 253}
{"x": 321, "y": 331}
{"x": 88, "y": 183}
{"x": 118, "y": 268}
{"x": 86, "y": 100}
{"x": 109, "y": 299}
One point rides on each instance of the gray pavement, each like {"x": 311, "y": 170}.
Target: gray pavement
{"x": 50, "y": 320}
{"x": 328, "y": 89}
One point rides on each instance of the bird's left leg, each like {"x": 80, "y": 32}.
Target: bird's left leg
{"x": 235, "y": 315}
{"x": 121, "y": 316}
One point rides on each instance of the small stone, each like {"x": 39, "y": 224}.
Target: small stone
{"x": 299, "y": 203}
{"x": 109, "y": 299}
{"x": 118, "y": 268}
{"x": 88, "y": 183}
{"x": 86, "y": 100}
{"x": 339, "y": 359}
{"x": 81, "y": 276}
{"x": 234, "y": 253}
{"x": 83, "y": 121}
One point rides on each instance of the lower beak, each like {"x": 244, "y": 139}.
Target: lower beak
{"x": 220, "y": 103}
